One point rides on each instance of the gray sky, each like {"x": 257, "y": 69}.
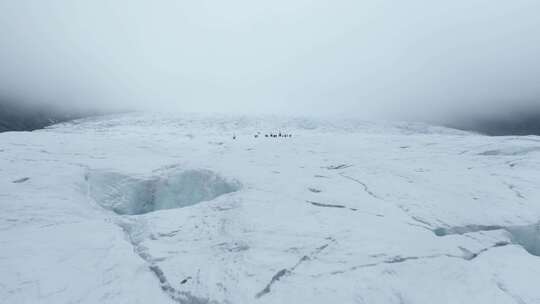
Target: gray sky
{"x": 368, "y": 59}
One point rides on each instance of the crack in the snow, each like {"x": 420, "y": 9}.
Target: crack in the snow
{"x": 275, "y": 278}
{"x": 424, "y": 224}
{"x": 526, "y": 236}
{"x": 288, "y": 271}
{"x": 21, "y": 180}
{"x": 325, "y": 205}
{"x": 337, "y": 167}
{"x": 467, "y": 256}
{"x": 314, "y": 190}
{"x": 514, "y": 189}
{"x": 317, "y": 204}
{"x": 181, "y": 297}
{"x": 515, "y": 297}
{"x": 465, "y": 229}
{"x": 421, "y": 221}
{"x": 364, "y": 185}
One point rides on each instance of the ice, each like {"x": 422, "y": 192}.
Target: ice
{"x": 527, "y": 236}
{"x": 163, "y": 208}
{"x": 129, "y": 195}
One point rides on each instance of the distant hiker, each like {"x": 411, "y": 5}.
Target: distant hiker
{"x": 279, "y": 134}
{"x": 234, "y": 136}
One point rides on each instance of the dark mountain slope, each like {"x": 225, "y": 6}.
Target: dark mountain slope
{"x": 511, "y": 123}
{"x": 17, "y": 116}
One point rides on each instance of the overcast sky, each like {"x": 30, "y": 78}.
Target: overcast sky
{"x": 323, "y": 57}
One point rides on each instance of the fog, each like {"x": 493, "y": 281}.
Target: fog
{"x": 371, "y": 59}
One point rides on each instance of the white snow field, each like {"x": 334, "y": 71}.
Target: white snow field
{"x": 153, "y": 208}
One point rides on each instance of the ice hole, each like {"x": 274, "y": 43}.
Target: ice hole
{"x": 125, "y": 194}
{"x": 527, "y": 236}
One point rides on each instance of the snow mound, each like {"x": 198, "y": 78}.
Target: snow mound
{"x": 129, "y": 195}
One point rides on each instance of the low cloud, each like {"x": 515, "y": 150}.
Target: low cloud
{"x": 370, "y": 59}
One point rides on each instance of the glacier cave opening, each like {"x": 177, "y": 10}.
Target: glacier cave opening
{"x": 127, "y": 195}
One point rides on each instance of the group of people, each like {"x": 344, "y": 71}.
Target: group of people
{"x": 275, "y": 135}
{"x": 258, "y": 134}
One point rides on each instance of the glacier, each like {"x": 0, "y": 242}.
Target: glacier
{"x": 169, "y": 208}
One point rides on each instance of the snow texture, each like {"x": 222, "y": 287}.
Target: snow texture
{"x": 154, "y": 208}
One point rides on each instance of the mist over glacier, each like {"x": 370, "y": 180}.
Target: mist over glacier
{"x": 374, "y": 59}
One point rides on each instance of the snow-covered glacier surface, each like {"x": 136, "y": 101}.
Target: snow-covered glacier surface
{"x": 148, "y": 208}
